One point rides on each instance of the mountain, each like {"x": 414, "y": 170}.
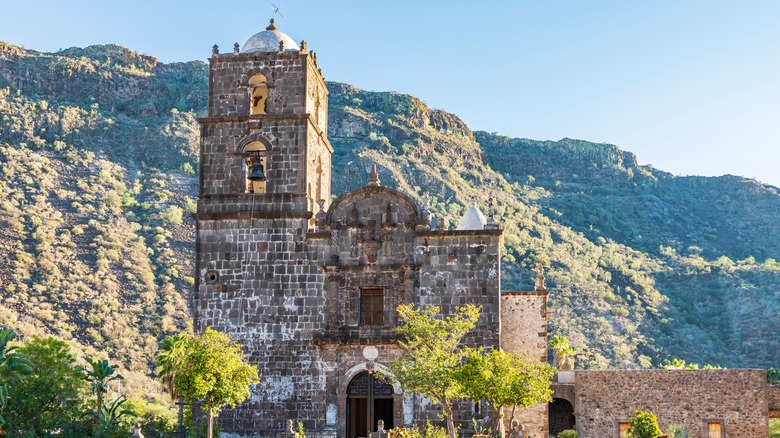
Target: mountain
{"x": 98, "y": 159}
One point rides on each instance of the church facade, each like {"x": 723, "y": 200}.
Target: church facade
{"x": 309, "y": 283}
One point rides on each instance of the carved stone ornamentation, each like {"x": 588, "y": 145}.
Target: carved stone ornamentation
{"x": 371, "y": 249}
{"x": 322, "y": 216}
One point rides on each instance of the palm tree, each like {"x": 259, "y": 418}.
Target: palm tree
{"x": 13, "y": 365}
{"x": 170, "y": 357}
{"x": 98, "y": 377}
{"x": 563, "y": 352}
{"x": 169, "y": 360}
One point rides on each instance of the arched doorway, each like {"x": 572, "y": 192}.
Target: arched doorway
{"x": 369, "y": 399}
{"x": 561, "y": 416}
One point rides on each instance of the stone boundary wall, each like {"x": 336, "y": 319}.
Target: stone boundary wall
{"x": 735, "y": 398}
{"x": 773, "y": 400}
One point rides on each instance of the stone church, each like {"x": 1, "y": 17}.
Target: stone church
{"x": 308, "y": 283}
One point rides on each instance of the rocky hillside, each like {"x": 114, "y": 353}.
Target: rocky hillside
{"x": 98, "y": 151}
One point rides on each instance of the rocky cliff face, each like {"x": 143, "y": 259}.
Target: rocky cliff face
{"x": 99, "y": 153}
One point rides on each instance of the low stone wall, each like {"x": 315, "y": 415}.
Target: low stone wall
{"x": 773, "y": 400}
{"x": 735, "y": 398}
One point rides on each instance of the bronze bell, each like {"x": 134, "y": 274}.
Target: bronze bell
{"x": 257, "y": 173}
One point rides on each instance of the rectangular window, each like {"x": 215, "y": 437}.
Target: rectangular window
{"x": 372, "y": 309}
{"x": 623, "y": 430}
{"x": 713, "y": 430}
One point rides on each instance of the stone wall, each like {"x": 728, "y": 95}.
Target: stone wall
{"x": 222, "y": 166}
{"x": 773, "y": 400}
{"x": 258, "y": 285}
{"x": 524, "y": 323}
{"x": 229, "y": 74}
{"x": 524, "y": 331}
{"x": 462, "y": 267}
{"x": 735, "y": 398}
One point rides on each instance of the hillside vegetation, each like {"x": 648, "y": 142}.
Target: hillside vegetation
{"x": 98, "y": 148}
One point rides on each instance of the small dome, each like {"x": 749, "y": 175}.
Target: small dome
{"x": 268, "y": 41}
{"x": 472, "y": 219}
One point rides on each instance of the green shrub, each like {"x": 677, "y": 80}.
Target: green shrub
{"x": 773, "y": 376}
{"x": 774, "y": 428}
{"x": 643, "y": 425}
{"x": 569, "y": 433}
{"x": 430, "y": 431}
{"x": 188, "y": 169}
{"x": 404, "y": 432}
{"x": 173, "y": 214}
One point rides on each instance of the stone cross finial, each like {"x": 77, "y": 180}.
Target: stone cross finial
{"x": 539, "y": 287}
{"x": 491, "y": 220}
{"x": 235, "y": 48}
{"x": 272, "y": 26}
{"x": 281, "y": 45}
{"x": 426, "y": 210}
{"x": 373, "y": 177}
{"x": 214, "y": 50}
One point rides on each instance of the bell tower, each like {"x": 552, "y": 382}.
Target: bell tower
{"x": 265, "y": 163}
{"x": 264, "y": 146}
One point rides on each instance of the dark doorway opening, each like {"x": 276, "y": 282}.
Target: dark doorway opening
{"x": 369, "y": 400}
{"x": 561, "y": 416}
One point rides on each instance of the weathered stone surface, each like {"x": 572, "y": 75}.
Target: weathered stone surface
{"x": 524, "y": 331}
{"x": 735, "y": 398}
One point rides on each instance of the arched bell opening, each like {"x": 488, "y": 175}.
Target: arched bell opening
{"x": 560, "y": 416}
{"x": 258, "y": 94}
{"x": 369, "y": 399}
{"x": 255, "y": 167}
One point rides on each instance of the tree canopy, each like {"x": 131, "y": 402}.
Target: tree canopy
{"x": 51, "y": 394}
{"x": 13, "y": 365}
{"x": 432, "y": 353}
{"x": 505, "y": 379}
{"x": 214, "y": 370}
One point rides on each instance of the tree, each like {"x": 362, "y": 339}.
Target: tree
{"x": 432, "y": 354}
{"x": 52, "y": 394}
{"x": 678, "y": 364}
{"x": 99, "y": 374}
{"x": 643, "y": 425}
{"x": 214, "y": 369}
{"x": 563, "y": 353}
{"x": 170, "y": 357}
{"x": 13, "y": 366}
{"x": 505, "y": 379}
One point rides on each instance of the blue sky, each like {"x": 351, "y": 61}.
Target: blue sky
{"x": 691, "y": 87}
